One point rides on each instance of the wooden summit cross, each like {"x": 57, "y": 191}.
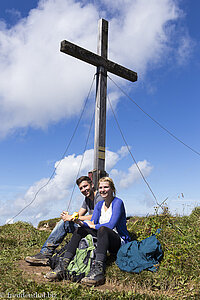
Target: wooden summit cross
{"x": 103, "y": 65}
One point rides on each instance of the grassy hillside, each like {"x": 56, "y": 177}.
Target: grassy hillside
{"x": 177, "y": 277}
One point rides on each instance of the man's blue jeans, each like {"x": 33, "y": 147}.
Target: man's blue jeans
{"x": 57, "y": 235}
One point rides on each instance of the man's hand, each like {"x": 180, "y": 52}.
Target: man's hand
{"x": 65, "y": 216}
{"x": 75, "y": 216}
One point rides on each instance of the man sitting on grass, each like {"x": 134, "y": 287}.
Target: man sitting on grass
{"x": 67, "y": 224}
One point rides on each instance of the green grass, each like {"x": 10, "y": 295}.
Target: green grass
{"x": 177, "y": 277}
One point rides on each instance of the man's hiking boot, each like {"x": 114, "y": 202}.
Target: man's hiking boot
{"x": 38, "y": 259}
{"x": 60, "y": 271}
{"x": 96, "y": 275}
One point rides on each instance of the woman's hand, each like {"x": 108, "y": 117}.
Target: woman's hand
{"x": 91, "y": 224}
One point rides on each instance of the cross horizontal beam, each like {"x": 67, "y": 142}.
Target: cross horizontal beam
{"x": 97, "y": 60}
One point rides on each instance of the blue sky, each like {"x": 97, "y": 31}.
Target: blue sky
{"x": 42, "y": 92}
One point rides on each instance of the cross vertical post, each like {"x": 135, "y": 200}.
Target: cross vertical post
{"x": 103, "y": 65}
{"x": 100, "y": 109}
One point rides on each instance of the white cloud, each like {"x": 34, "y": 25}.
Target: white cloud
{"x": 39, "y": 85}
{"x": 124, "y": 151}
{"x": 113, "y": 98}
{"x": 185, "y": 48}
{"x": 142, "y": 32}
{"x": 14, "y": 13}
{"x": 9, "y": 221}
{"x": 126, "y": 179}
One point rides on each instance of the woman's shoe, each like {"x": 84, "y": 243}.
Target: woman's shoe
{"x": 60, "y": 271}
{"x": 96, "y": 275}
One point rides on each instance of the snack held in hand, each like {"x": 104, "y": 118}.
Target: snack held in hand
{"x": 75, "y": 215}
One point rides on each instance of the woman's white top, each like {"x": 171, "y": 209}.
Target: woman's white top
{"x": 105, "y": 217}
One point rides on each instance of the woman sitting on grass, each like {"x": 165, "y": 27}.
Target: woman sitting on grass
{"x": 108, "y": 224}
